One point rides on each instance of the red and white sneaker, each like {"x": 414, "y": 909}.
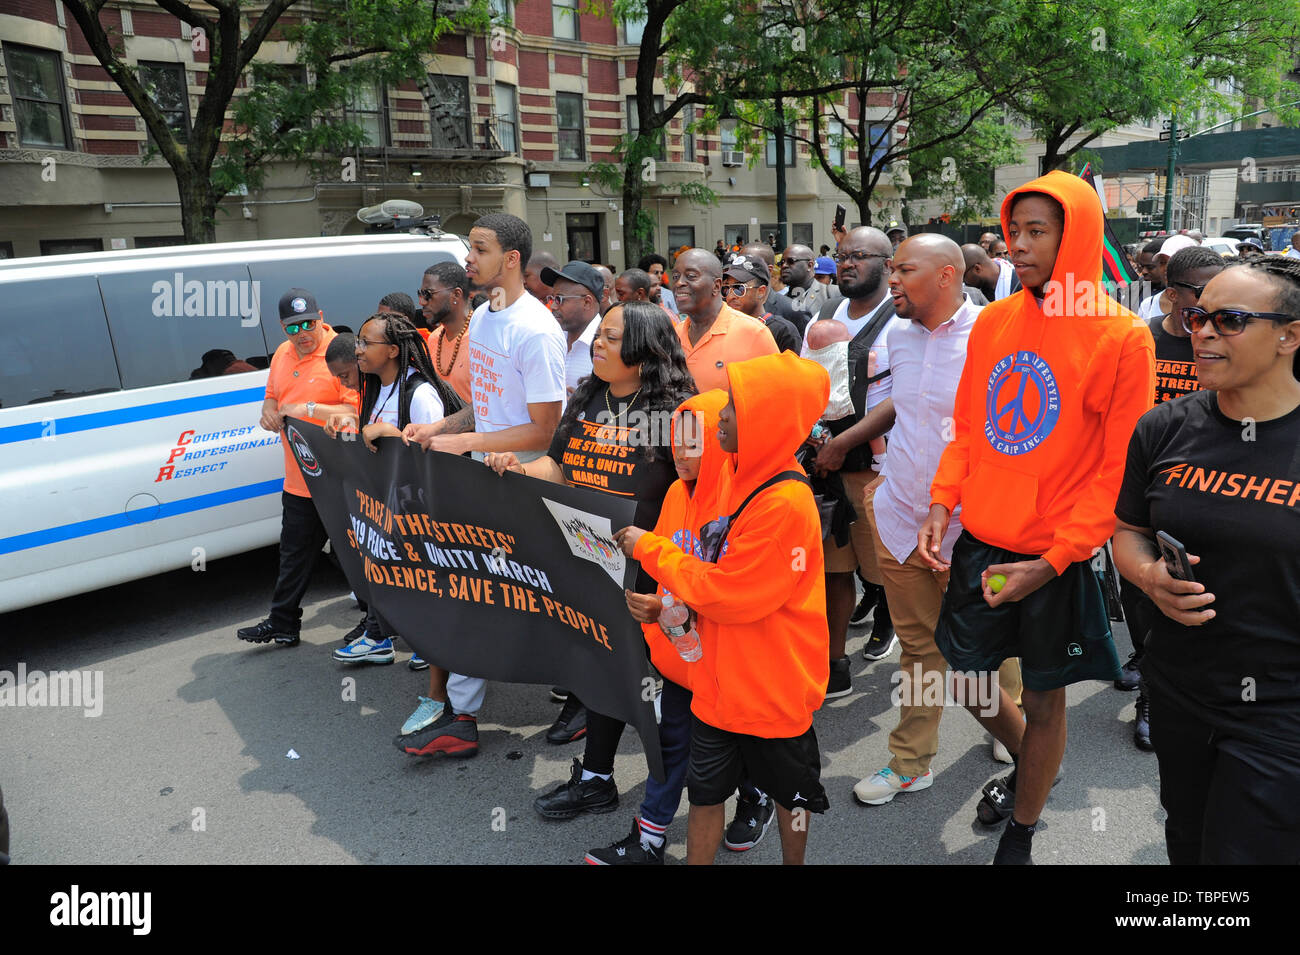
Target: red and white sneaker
{"x": 451, "y": 734}
{"x": 885, "y": 785}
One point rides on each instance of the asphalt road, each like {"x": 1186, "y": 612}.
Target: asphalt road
{"x": 187, "y": 762}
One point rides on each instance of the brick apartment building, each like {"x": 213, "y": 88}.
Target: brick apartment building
{"x": 504, "y": 123}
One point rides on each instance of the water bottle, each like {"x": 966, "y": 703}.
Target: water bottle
{"x": 674, "y": 621}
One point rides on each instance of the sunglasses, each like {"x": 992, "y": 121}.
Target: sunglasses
{"x": 842, "y": 257}
{"x": 735, "y": 290}
{"x": 1226, "y": 321}
{"x": 1194, "y": 289}
{"x": 306, "y": 325}
{"x": 427, "y": 293}
{"x": 561, "y": 299}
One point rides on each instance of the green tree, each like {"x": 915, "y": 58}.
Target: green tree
{"x": 379, "y": 41}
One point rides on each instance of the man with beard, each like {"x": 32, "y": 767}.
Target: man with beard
{"x": 444, "y": 303}
{"x": 868, "y": 312}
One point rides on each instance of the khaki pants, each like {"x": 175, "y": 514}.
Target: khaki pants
{"x": 860, "y": 552}
{"x": 915, "y": 593}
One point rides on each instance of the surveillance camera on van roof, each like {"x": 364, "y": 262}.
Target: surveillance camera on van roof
{"x": 390, "y": 210}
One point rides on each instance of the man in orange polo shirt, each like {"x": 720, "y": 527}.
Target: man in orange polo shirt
{"x": 713, "y": 334}
{"x": 300, "y": 385}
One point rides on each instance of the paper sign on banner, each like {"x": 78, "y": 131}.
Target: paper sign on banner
{"x": 590, "y": 537}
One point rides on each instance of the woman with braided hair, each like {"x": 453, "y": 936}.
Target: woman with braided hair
{"x": 1218, "y": 470}
{"x": 398, "y": 387}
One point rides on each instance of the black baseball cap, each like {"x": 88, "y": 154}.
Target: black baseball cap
{"x": 579, "y": 272}
{"x": 297, "y": 301}
{"x": 746, "y": 267}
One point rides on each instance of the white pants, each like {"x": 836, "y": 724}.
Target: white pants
{"x": 465, "y": 693}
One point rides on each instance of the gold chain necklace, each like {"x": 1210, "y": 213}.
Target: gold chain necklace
{"x": 437, "y": 364}
{"x": 614, "y": 417}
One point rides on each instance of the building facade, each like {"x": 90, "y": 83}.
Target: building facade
{"x": 508, "y": 122}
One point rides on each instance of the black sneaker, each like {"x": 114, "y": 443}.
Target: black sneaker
{"x": 265, "y": 632}
{"x": 629, "y": 850}
{"x": 570, "y": 725}
{"x": 575, "y": 797}
{"x": 870, "y": 594}
{"x": 841, "y": 682}
{"x": 1130, "y": 674}
{"x": 559, "y": 694}
{"x": 451, "y": 734}
{"x": 1016, "y": 846}
{"x": 1142, "y": 725}
{"x": 355, "y": 632}
{"x": 881, "y": 643}
{"x": 751, "y": 823}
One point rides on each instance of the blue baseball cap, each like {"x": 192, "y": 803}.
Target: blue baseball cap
{"x": 824, "y": 265}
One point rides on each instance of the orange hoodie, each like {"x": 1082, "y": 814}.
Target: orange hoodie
{"x": 762, "y": 606}
{"x": 1047, "y": 402}
{"x": 687, "y": 507}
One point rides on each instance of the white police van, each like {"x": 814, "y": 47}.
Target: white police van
{"x": 131, "y": 385}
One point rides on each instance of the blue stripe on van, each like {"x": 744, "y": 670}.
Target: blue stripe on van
{"x": 112, "y": 522}
{"x": 106, "y": 419}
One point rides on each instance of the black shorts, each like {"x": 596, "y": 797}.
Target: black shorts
{"x": 787, "y": 769}
{"x": 1060, "y": 632}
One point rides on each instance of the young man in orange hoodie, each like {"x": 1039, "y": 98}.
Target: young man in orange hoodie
{"x": 1055, "y": 379}
{"x": 761, "y": 609}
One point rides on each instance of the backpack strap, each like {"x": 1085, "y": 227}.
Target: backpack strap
{"x": 775, "y": 479}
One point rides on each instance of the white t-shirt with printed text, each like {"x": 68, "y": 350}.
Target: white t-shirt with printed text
{"x": 516, "y": 358}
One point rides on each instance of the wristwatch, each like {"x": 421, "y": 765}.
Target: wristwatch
{"x": 311, "y": 409}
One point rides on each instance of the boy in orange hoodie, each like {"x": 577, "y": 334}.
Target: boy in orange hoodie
{"x": 1055, "y": 379}
{"x": 761, "y": 610}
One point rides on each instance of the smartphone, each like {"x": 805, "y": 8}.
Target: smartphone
{"x": 1175, "y": 556}
{"x": 840, "y": 213}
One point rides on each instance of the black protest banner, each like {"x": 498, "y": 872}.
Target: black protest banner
{"x": 501, "y": 577}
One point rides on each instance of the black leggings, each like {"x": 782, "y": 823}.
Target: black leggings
{"x": 1230, "y": 801}
{"x": 603, "y": 735}
{"x": 1138, "y": 609}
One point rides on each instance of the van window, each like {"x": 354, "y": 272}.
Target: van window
{"x": 184, "y": 323}
{"x": 55, "y": 343}
{"x": 347, "y": 287}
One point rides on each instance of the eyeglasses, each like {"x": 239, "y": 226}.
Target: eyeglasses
{"x": 362, "y": 343}
{"x": 1194, "y": 289}
{"x": 427, "y": 293}
{"x": 1226, "y": 321}
{"x": 561, "y": 299}
{"x": 842, "y": 257}
{"x": 736, "y": 290}
{"x": 792, "y": 261}
{"x": 306, "y": 325}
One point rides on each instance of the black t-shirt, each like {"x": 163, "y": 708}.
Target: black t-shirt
{"x": 605, "y": 457}
{"x": 786, "y": 335}
{"x": 1229, "y": 491}
{"x": 1175, "y": 365}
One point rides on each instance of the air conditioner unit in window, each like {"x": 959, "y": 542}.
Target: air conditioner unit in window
{"x": 733, "y": 157}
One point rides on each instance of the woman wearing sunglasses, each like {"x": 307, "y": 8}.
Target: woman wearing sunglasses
{"x": 1218, "y": 471}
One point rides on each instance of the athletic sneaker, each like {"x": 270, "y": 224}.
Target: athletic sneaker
{"x": 363, "y": 649}
{"x": 629, "y": 850}
{"x": 870, "y": 593}
{"x": 424, "y": 715}
{"x": 358, "y": 631}
{"x": 570, "y": 725}
{"x": 1142, "y": 725}
{"x": 1001, "y": 753}
{"x": 841, "y": 681}
{"x": 882, "y": 629}
{"x": 885, "y": 785}
{"x": 264, "y": 632}
{"x": 575, "y": 797}
{"x": 559, "y": 694}
{"x": 1130, "y": 675}
{"x": 451, "y": 734}
{"x": 879, "y": 647}
{"x": 751, "y": 823}
{"x": 417, "y": 662}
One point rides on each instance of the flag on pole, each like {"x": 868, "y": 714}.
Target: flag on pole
{"x": 1117, "y": 268}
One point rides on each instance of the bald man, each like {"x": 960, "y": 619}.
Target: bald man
{"x": 986, "y": 240}
{"x": 776, "y": 302}
{"x": 806, "y": 295}
{"x": 996, "y": 278}
{"x": 607, "y": 297}
{"x": 533, "y": 275}
{"x": 867, "y": 311}
{"x": 713, "y": 334}
{"x": 927, "y": 351}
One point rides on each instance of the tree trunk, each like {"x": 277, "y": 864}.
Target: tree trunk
{"x": 198, "y": 207}
{"x": 864, "y": 206}
{"x": 633, "y": 244}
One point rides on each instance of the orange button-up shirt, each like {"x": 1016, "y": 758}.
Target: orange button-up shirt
{"x": 734, "y": 336}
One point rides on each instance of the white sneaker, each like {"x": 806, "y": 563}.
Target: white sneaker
{"x": 1000, "y": 752}
{"x": 885, "y": 785}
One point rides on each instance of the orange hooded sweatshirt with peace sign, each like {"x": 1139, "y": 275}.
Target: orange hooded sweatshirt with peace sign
{"x": 762, "y": 607}
{"x": 1048, "y": 400}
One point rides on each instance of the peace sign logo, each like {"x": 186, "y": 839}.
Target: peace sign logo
{"x": 1023, "y": 404}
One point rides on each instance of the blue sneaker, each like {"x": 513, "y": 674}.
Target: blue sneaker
{"x": 367, "y": 650}
{"x": 424, "y": 715}
{"x": 417, "y": 662}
